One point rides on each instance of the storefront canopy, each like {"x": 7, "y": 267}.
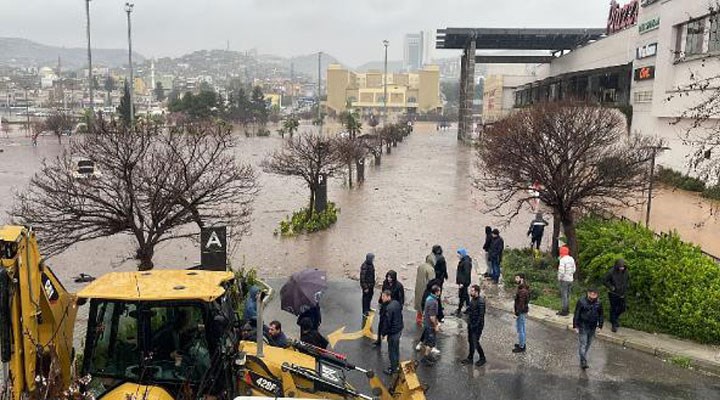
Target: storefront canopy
{"x": 517, "y": 39}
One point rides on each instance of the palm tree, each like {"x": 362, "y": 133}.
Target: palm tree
{"x": 290, "y": 126}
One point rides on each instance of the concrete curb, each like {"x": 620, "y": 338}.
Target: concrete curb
{"x": 542, "y": 314}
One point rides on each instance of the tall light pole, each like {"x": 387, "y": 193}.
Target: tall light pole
{"x": 385, "y": 43}
{"x": 128, "y": 10}
{"x": 319, "y": 112}
{"x": 90, "y": 67}
{"x": 654, "y": 149}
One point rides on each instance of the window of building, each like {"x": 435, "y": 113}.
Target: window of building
{"x": 644, "y": 96}
{"x": 714, "y": 41}
{"x": 695, "y": 35}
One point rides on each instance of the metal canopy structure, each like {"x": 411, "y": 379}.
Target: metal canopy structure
{"x": 517, "y": 39}
{"x": 471, "y": 39}
{"x": 492, "y": 59}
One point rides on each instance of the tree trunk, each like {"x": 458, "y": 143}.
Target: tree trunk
{"x": 378, "y": 157}
{"x": 568, "y": 223}
{"x": 311, "y": 207}
{"x": 555, "y": 234}
{"x": 145, "y": 255}
{"x": 394, "y": 142}
{"x": 360, "y": 168}
{"x": 350, "y": 175}
{"x": 388, "y": 148}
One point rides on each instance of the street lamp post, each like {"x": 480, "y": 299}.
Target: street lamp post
{"x": 654, "y": 149}
{"x": 128, "y": 10}
{"x": 385, "y": 43}
{"x": 90, "y": 67}
{"x": 319, "y": 111}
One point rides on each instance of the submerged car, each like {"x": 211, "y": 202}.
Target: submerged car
{"x": 83, "y": 168}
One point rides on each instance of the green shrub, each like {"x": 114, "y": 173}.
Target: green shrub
{"x": 712, "y": 192}
{"x": 300, "y": 223}
{"x": 674, "y": 288}
{"x": 679, "y": 180}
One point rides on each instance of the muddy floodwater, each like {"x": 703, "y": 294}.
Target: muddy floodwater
{"x": 420, "y": 195}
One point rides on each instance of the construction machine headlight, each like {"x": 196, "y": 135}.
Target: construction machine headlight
{"x": 241, "y": 359}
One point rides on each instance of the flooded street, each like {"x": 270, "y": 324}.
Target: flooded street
{"x": 419, "y": 196}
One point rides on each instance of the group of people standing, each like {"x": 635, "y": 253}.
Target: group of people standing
{"x": 431, "y": 277}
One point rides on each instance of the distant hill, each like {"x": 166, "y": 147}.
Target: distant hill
{"x": 393, "y": 66}
{"x": 16, "y": 52}
{"x": 308, "y": 64}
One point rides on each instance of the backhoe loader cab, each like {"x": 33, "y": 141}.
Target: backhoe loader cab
{"x": 171, "y": 332}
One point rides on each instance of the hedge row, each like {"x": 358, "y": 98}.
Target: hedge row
{"x": 682, "y": 181}
{"x": 677, "y": 287}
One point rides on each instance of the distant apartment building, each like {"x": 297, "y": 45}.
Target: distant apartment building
{"x": 501, "y": 83}
{"x": 413, "y": 51}
{"x": 412, "y": 92}
{"x": 428, "y": 41}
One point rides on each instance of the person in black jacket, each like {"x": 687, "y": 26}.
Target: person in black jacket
{"x": 313, "y": 314}
{"x": 497, "y": 246}
{"x": 463, "y": 278}
{"x": 476, "y": 323}
{"x": 397, "y": 292}
{"x": 309, "y": 334}
{"x": 617, "y": 280}
{"x": 367, "y": 282}
{"x": 536, "y": 231}
{"x": 486, "y": 248}
{"x": 441, "y": 273}
{"x": 392, "y": 328}
{"x": 588, "y": 316}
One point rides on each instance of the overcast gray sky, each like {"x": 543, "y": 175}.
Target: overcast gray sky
{"x": 352, "y": 31}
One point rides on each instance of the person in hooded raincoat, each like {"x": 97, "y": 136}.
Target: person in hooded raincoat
{"x": 425, "y": 273}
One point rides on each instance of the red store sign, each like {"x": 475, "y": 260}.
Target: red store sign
{"x": 645, "y": 73}
{"x": 622, "y": 17}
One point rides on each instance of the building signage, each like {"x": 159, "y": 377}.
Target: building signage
{"x": 622, "y": 17}
{"x": 646, "y": 3}
{"x": 645, "y": 73}
{"x": 649, "y": 25}
{"x": 649, "y": 50}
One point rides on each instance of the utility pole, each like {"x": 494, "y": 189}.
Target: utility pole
{"x": 128, "y": 10}
{"x": 90, "y": 67}
{"x": 27, "y": 112}
{"x": 654, "y": 149}
{"x": 319, "y": 111}
{"x": 385, "y": 43}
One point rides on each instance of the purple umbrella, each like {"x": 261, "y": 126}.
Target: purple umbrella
{"x": 303, "y": 290}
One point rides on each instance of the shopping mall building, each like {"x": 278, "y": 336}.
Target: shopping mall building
{"x": 642, "y": 64}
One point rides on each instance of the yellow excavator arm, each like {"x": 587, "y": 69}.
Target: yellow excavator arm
{"x": 37, "y": 316}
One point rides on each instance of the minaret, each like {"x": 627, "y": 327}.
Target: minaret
{"x": 152, "y": 75}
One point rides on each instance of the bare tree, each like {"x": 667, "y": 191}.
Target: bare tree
{"x": 310, "y": 156}
{"x": 59, "y": 123}
{"x": 581, "y": 155}
{"x": 352, "y": 151}
{"x": 153, "y": 185}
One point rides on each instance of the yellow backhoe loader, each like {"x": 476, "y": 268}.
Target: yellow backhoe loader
{"x": 156, "y": 335}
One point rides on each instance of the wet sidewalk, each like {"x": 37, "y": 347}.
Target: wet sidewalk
{"x": 669, "y": 348}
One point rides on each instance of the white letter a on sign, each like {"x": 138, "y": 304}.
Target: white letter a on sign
{"x": 214, "y": 239}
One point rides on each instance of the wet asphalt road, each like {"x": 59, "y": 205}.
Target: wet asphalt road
{"x": 548, "y": 370}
